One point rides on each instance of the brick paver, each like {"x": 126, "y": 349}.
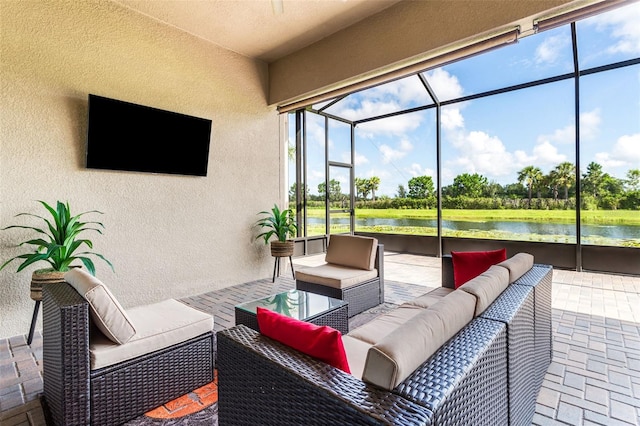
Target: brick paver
{"x": 594, "y": 377}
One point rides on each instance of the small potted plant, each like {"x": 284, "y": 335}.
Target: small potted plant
{"x": 56, "y": 244}
{"x": 278, "y": 223}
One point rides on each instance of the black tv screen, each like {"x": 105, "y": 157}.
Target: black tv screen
{"x": 131, "y": 137}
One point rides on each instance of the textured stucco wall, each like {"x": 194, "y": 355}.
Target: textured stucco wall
{"x": 167, "y": 236}
{"x": 409, "y": 29}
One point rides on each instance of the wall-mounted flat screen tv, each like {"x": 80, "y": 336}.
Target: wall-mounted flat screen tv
{"x": 138, "y": 138}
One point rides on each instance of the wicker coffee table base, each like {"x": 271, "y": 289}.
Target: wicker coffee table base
{"x": 336, "y": 317}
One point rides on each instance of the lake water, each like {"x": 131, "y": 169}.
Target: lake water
{"x": 618, "y": 232}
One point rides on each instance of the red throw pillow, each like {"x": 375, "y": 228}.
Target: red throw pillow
{"x": 469, "y": 264}
{"x": 321, "y": 342}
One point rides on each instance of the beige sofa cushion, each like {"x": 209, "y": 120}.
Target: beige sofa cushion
{"x": 396, "y": 356}
{"x": 159, "y": 325}
{"x": 517, "y": 265}
{"x": 487, "y": 286}
{"x": 352, "y": 251}
{"x": 335, "y": 276}
{"x": 106, "y": 312}
{"x": 356, "y": 351}
{"x": 376, "y": 329}
{"x": 430, "y": 298}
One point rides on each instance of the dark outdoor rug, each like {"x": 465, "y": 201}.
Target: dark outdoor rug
{"x": 200, "y": 407}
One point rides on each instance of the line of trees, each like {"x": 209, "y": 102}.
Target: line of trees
{"x": 534, "y": 189}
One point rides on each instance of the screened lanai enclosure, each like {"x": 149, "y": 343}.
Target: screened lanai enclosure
{"x": 525, "y": 141}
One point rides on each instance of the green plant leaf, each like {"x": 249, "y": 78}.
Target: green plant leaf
{"x": 280, "y": 223}
{"x": 62, "y": 230}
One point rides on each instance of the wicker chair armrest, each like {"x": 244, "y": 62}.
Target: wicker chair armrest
{"x": 379, "y": 262}
{"x": 259, "y": 378}
{"x": 65, "y": 354}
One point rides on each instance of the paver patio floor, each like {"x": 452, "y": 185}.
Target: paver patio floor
{"x": 594, "y": 377}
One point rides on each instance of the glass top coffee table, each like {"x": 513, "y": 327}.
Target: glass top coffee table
{"x": 302, "y": 305}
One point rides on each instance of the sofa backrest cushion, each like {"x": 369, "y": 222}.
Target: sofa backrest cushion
{"x": 397, "y": 355}
{"x": 106, "y": 312}
{"x": 487, "y": 286}
{"x": 469, "y": 264}
{"x": 321, "y": 342}
{"x": 352, "y": 251}
{"x": 517, "y": 265}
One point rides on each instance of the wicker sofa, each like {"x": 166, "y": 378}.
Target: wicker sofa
{"x": 353, "y": 271}
{"x": 488, "y": 372}
{"x": 90, "y": 379}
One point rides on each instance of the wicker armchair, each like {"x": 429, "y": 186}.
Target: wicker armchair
{"x": 353, "y": 272}
{"x": 74, "y": 394}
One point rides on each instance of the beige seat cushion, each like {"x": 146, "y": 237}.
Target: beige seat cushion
{"x": 487, "y": 286}
{"x": 106, "y": 312}
{"x": 376, "y": 329}
{"x": 352, "y": 251}
{"x": 158, "y": 326}
{"x": 430, "y": 298}
{"x": 356, "y": 351}
{"x": 517, "y": 265}
{"x": 396, "y": 356}
{"x": 335, "y": 276}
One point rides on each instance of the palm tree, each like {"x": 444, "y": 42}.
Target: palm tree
{"x": 362, "y": 189}
{"x": 531, "y": 176}
{"x": 551, "y": 181}
{"x": 564, "y": 176}
{"x": 374, "y": 184}
{"x": 593, "y": 180}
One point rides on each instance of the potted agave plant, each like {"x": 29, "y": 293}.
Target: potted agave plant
{"x": 57, "y": 243}
{"x": 280, "y": 224}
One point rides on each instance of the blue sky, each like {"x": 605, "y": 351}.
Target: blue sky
{"x": 499, "y": 135}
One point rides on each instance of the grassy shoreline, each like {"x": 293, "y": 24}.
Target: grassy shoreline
{"x": 596, "y": 217}
{"x": 609, "y": 217}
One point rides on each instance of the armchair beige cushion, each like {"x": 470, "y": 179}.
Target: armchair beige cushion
{"x": 159, "y": 325}
{"x": 106, "y": 312}
{"x": 335, "y": 276}
{"x": 352, "y": 251}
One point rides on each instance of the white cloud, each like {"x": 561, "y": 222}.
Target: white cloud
{"x": 408, "y": 90}
{"x": 481, "y": 153}
{"x": 545, "y": 154}
{"x": 624, "y": 27}
{"x": 359, "y": 159}
{"x": 522, "y": 159}
{"x": 384, "y": 99}
{"x": 451, "y": 118}
{"x": 625, "y": 152}
{"x": 416, "y": 169}
{"x": 566, "y": 135}
{"x": 368, "y": 108}
{"x": 390, "y": 154}
{"x": 590, "y": 124}
{"x": 551, "y": 49}
{"x": 406, "y": 145}
{"x": 589, "y": 129}
{"x": 444, "y": 84}
{"x": 398, "y": 125}
{"x": 315, "y": 133}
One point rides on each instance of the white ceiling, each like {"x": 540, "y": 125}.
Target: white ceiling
{"x": 256, "y": 28}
